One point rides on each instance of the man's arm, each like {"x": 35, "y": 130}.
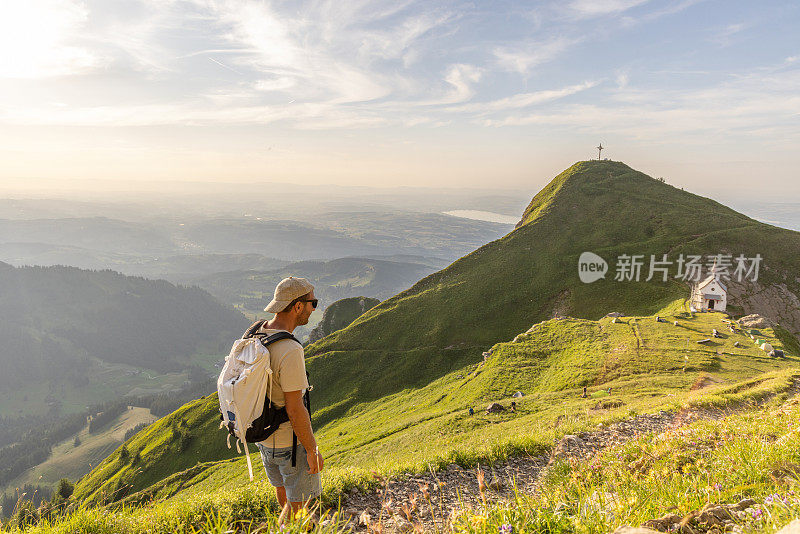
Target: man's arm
{"x": 301, "y": 424}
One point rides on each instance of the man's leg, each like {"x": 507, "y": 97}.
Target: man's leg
{"x": 299, "y": 483}
{"x": 274, "y": 474}
{"x": 281, "y": 493}
{"x": 296, "y": 506}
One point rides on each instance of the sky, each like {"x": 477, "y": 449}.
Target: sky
{"x": 483, "y": 94}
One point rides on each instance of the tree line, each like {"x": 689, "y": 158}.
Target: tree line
{"x": 27, "y": 445}
{"x": 110, "y": 412}
{"x": 33, "y": 445}
{"x": 36, "y": 503}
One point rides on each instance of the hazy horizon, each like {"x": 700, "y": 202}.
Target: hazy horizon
{"x": 174, "y": 200}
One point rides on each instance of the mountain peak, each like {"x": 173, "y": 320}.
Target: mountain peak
{"x": 596, "y": 181}
{"x": 582, "y": 171}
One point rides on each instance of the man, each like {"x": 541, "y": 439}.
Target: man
{"x": 292, "y": 305}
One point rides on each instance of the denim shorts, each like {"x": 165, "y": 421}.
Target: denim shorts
{"x": 299, "y": 484}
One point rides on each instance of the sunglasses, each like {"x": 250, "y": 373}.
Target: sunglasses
{"x": 313, "y": 302}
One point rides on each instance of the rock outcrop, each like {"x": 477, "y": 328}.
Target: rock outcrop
{"x": 340, "y": 314}
{"x": 777, "y": 303}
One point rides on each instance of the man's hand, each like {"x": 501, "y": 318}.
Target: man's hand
{"x": 315, "y": 462}
{"x": 301, "y": 425}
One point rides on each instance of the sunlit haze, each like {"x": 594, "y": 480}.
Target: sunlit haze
{"x": 446, "y": 94}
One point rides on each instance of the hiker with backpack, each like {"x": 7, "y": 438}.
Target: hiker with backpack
{"x": 264, "y": 397}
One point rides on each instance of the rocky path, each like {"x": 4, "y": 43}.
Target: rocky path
{"x": 430, "y": 497}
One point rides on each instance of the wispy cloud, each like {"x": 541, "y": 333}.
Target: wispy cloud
{"x": 622, "y": 78}
{"x": 594, "y": 8}
{"x": 360, "y": 64}
{"x": 724, "y": 37}
{"x": 525, "y": 56}
{"x": 523, "y": 100}
{"x": 224, "y": 66}
{"x": 325, "y": 53}
{"x": 629, "y": 20}
{"x": 738, "y": 109}
{"x": 461, "y": 78}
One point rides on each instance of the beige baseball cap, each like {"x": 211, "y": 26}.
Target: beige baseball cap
{"x": 286, "y": 291}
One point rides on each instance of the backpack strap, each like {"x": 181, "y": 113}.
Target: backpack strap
{"x": 255, "y": 327}
{"x": 266, "y": 339}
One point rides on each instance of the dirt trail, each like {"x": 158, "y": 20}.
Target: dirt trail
{"x": 433, "y": 495}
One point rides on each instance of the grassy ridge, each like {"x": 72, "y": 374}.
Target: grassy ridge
{"x": 642, "y": 360}
{"x": 648, "y": 364}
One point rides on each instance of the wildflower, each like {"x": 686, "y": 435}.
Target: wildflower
{"x": 408, "y": 508}
{"x": 757, "y": 513}
{"x": 478, "y": 519}
{"x": 717, "y": 486}
{"x": 482, "y": 484}
{"x": 505, "y": 529}
{"x": 776, "y": 498}
{"x": 423, "y": 488}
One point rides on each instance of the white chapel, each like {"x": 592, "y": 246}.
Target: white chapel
{"x": 710, "y": 294}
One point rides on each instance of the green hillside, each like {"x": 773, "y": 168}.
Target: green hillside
{"x": 402, "y": 375}
{"x": 745, "y": 462}
{"x": 647, "y": 364}
{"x": 63, "y": 330}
